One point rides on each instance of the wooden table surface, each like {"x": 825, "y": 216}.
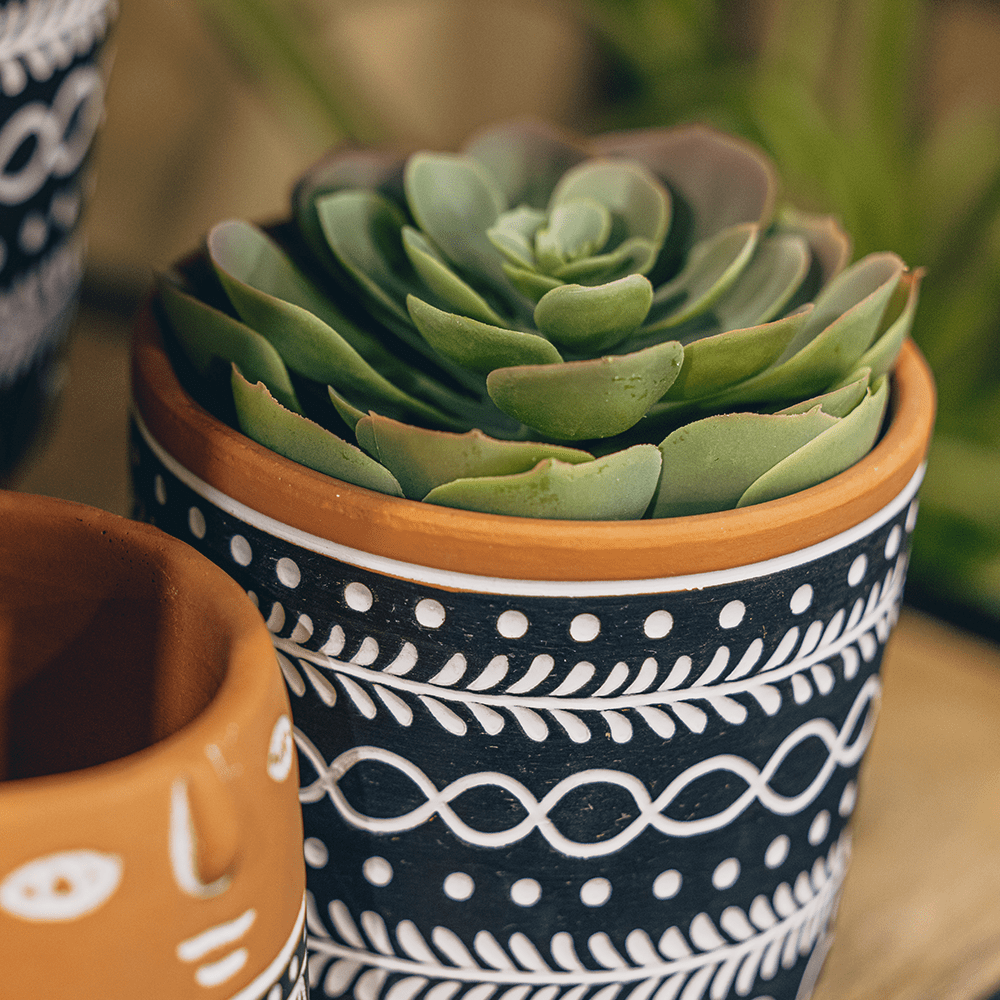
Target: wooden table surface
{"x": 920, "y": 914}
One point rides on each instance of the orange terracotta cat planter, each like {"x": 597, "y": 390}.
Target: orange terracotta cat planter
{"x": 150, "y": 835}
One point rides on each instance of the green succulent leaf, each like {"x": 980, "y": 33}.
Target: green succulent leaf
{"x": 856, "y": 298}
{"x": 708, "y": 465}
{"x": 587, "y": 320}
{"x": 357, "y": 168}
{"x": 267, "y": 422}
{"x": 881, "y": 356}
{"x": 831, "y": 343}
{"x": 637, "y": 202}
{"x": 617, "y": 487}
{"x": 422, "y": 460}
{"x": 840, "y": 401}
{"x": 829, "y": 454}
{"x": 253, "y": 269}
{"x": 762, "y": 291}
{"x": 346, "y": 410}
{"x": 576, "y": 228}
{"x": 713, "y": 364}
{"x": 593, "y": 398}
{"x": 711, "y": 269}
{"x": 529, "y": 283}
{"x": 724, "y": 181}
{"x": 514, "y": 234}
{"x": 477, "y": 346}
{"x": 526, "y": 159}
{"x": 271, "y": 296}
{"x": 636, "y": 255}
{"x": 829, "y": 245}
{"x": 456, "y": 202}
{"x": 447, "y": 285}
{"x": 363, "y": 230}
{"x": 206, "y": 333}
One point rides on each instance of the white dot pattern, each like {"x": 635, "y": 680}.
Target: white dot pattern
{"x": 892, "y": 542}
{"x": 595, "y": 892}
{"x": 512, "y": 624}
{"x": 525, "y": 892}
{"x": 196, "y": 522}
{"x": 726, "y": 874}
{"x": 732, "y": 614}
{"x": 658, "y": 624}
{"x": 289, "y": 574}
{"x": 585, "y": 628}
{"x": 801, "y": 600}
{"x": 33, "y": 233}
{"x": 65, "y": 208}
{"x": 667, "y": 884}
{"x": 315, "y": 852}
{"x": 857, "y": 571}
{"x": 239, "y": 549}
{"x": 459, "y": 886}
{"x": 358, "y": 597}
{"x": 848, "y": 799}
{"x": 819, "y": 828}
{"x": 777, "y": 851}
{"x": 430, "y": 613}
{"x": 377, "y": 871}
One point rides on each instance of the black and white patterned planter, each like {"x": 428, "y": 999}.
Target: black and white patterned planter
{"x": 51, "y": 104}
{"x": 565, "y": 790}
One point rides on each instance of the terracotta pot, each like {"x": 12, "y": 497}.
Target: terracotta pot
{"x": 574, "y": 758}
{"x": 51, "y": 104}
{"x": 150, "y": 838}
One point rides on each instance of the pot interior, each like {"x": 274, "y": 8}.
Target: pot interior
{"x": 107, "y": 644}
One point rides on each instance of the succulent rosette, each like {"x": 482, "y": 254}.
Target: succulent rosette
{"x": 544, "y": 326}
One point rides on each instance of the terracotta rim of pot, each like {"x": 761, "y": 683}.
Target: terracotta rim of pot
{"x": 125, "y": 553}
{"x": 526, "y": 548}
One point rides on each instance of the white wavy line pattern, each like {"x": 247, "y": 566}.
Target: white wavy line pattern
{"x": 714, "y": 959}
{"x": 841, "y": 753}
{"x": 802, "y": 655}
{"x": 41, "y": 36}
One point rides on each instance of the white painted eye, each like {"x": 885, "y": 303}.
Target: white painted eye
{"x": 63, "y": 886}
{"x": 280, "y": 750}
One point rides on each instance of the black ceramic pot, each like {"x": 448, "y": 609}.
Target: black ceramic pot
{"x": 558, "y": 759}
{"x": 51, "y": 104}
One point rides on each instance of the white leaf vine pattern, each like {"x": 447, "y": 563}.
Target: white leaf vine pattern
{"x": 806, "y": 657}
{"x": 30, "y": 309}
{"x": 713, "y": 959}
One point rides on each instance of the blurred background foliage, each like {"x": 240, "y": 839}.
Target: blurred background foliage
{"x": 883, "y": 112}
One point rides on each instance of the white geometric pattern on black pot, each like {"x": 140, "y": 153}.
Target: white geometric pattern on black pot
{"x": 51, "y": 103}
{"x": 565, "y": 791}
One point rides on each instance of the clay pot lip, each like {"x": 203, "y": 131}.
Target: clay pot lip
{"x": 526, "y": 548}
{"x": 238, "y": 696}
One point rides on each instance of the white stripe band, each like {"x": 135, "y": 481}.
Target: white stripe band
{"x": 527, "y": 588}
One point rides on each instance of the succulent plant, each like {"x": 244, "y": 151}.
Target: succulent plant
{"x": 545, "y": 326}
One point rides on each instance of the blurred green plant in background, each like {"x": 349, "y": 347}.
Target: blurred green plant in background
{"x": 834, "y": 90}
